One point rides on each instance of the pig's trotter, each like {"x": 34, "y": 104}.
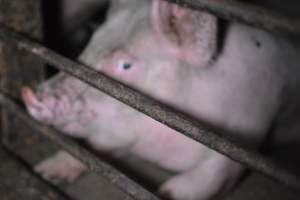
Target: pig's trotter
{"x": 60, "y": 168}
{"x": 211, "y": 179}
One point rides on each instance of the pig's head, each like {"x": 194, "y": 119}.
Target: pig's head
{"x": 145, "y": 45}
{"x": 155, "y": 48}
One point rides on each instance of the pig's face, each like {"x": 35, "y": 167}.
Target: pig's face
{"x": 144, "y": 65}
{"x": 149, "y": 54}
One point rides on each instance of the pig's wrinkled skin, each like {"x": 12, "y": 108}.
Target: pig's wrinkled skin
{"x": 172, "y": 54}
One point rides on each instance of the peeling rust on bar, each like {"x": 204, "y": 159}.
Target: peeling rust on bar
{"x": 154, "y": 109}
{"x": 239, "y": 11}
{"x": 134, "y": 190}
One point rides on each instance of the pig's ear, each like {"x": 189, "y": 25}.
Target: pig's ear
{"x": 190, "y": 35}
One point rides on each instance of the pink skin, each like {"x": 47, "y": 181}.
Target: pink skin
{"x": 181, "y": 73}
{"x": 61, "y": 165}
{"x": 43, "y": 111}
{"x": 35, "y": 107}
{"x": 61, "y": 106}
{"x": 204, "y": 26}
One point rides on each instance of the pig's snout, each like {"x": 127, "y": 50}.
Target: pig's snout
{"x": 64, "y": 109}
{"x": 35, "y": 106}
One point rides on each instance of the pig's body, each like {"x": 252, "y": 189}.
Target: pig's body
{"x": 238, "y": 88}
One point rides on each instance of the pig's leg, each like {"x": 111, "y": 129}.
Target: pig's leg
{"x": 61, "y": 167}
{"x": 213, "y": 176}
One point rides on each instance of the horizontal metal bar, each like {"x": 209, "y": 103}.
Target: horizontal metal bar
{"x": 95, "y": 164}
{"x": 239, "y": 11}
{"x": 153, "y": 109}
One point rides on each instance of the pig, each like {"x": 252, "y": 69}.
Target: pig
{"x": 241, "y": 82}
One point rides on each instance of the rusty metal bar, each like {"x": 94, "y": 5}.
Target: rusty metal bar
{"x": 154, "y": 109}
{"x": 134, "y": 190}
{"x": 239, "y": 11}
{"x": 21, "y": 182}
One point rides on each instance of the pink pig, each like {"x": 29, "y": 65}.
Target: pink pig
{"x": 238, "y": 82}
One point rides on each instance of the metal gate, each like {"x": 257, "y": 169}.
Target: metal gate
{"x": 230, "y": 10}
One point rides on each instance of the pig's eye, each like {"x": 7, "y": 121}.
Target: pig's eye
{"x": 124, "y": 65}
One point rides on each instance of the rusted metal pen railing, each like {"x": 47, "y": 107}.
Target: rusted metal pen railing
{"x": 19, "y": 182}
{"x": 240, "y": 11}
{"x": 95, "y": 164}
{"x": 152, "y": 108}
